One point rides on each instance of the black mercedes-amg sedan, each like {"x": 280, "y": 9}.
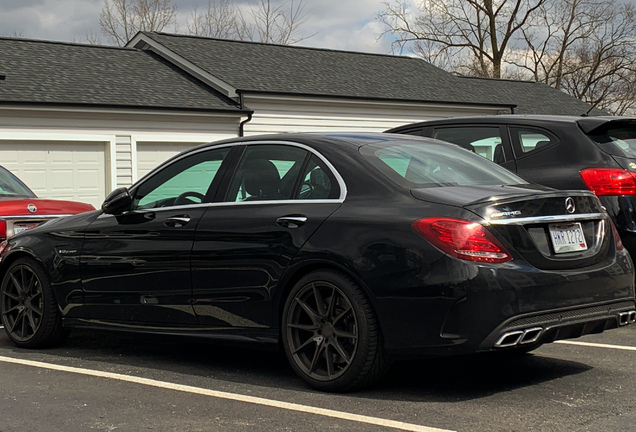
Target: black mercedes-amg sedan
{"x": 562, "y": 152}
{"x": 347, "y": 249}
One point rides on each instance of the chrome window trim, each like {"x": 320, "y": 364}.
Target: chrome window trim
{"x": 32, "y": 216}
{"x": 339, "y": 179}
{"x": 547, "y": 219}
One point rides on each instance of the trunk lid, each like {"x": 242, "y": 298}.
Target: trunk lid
{"x": 551, "y": 230}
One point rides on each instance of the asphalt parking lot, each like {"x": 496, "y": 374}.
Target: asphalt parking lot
{"x": 113, "y": 382}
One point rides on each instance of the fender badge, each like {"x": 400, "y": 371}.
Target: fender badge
{"x": 32, "y": 208}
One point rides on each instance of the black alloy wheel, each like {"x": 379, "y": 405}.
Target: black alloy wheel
{"x": 30, "y": 313}
{"x": 330, "y": 333}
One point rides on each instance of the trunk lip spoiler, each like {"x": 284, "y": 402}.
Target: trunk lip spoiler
{"x": 546, "y": 219}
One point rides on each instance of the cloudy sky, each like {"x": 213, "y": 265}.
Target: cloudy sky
{"x": 337, "y": 24}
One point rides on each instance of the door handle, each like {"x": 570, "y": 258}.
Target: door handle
{"x": 177, "y": 221}
{"x": 291, "y": 221}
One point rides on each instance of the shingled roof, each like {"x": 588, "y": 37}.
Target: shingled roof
{"x": 55, "y": 73}
{"x": 278, "y": 69}
{"x": 530, "y": 97}
{"x": 281, "y": 69}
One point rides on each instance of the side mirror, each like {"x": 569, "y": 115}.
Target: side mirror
{"x": 117, "y": 201}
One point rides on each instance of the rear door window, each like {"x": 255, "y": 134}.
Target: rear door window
{"x": 487, "y": 141}
{"x": 529, "y": 140}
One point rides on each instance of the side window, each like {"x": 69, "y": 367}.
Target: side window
{"x": 530, "y": 140}
{"x": 187, "y": 181}
{"x": 318, "y": 182}
{"x": 267, "y": 172}
{"x": 485, "y": 141}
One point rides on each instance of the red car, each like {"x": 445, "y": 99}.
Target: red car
{"x": 21, "y": 209}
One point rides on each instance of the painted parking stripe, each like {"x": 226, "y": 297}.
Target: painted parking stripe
{"x": 229, "y": 396}
{"x": 597, "y": 345}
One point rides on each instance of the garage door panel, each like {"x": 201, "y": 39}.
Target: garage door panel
{"x": 152, "y": 154}
{"x": 59, "y": 170}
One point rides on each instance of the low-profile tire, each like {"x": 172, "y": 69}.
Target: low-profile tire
{"x": 330, "y": 333}
{"x": 30, "y": 313}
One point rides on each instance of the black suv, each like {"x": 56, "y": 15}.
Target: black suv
{"x": 595, "y": 153}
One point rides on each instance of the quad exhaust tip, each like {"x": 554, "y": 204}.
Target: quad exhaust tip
{"x": 519, "y": 337}
{"x": 625, "y": 318}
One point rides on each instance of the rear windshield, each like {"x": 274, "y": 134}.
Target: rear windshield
{"x": 429, "y": 163}
{"x": 617, "y": 140}
{"x": 11, "y": 187}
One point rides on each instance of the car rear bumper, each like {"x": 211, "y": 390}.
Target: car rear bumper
{"x": 489, "y": 307}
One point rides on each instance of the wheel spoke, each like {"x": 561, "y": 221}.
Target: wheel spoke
{"x": 306, "y": 327}
{"x": 17, "y": 320}
{"x": 31, "y": 320}
{"x": 16, "y": 283}
{"x": 14, "y": 308}
{"x": 342, "y": 315}
{"x": 315, "y": 318}
{"x": 11, "y": 295}
{"x": 314, "y": 362}
{"x": 320, "y": 304}
{"x": 344, "y": 334}
{"x": 303, "y": 345}
{"x": 332, "y": 303}
{"x": 32, "y": 282}
{"x": 329, "y": 360}
{"x": 346, "y": 357}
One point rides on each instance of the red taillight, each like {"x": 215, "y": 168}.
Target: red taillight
{"x": 3, "y": 230}
{"x": 462, "y": 239}
{"x": 609, "y": 181}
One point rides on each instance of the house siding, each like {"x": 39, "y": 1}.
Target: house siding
{"x": 278, "y": 114}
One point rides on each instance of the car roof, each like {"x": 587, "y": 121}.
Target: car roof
{"x": 317, "y": 140}
{"x": 586, "y": 123}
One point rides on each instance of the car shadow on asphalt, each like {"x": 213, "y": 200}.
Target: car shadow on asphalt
{"x": 430, "y": 380}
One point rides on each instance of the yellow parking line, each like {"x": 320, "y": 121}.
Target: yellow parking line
{"x": 229, "y": 396}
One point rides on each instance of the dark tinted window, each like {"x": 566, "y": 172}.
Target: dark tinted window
{"x": 619, "y": 140}
{"x": 267, "y": 172}
{"x": 430, "y": 164}
{"x": 318, "y": 182}
{"x": 486, "y": 141}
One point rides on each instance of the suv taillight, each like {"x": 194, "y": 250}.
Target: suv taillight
{"x": 3, "y": 230}
{"x": 469, "y": 241}
{"x": 609, "y": 181}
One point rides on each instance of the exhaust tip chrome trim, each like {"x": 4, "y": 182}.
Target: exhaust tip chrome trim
{"x": 509, "y": 339}
{"x": 625, "y": 318}
{"x": 519, "y": 337}
{"x": 531, "y": 335}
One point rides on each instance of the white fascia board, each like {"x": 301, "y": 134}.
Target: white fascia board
{"x": 379, "y": 102}
{"x": 126, "y": 111}
{"x": 142, "y": 42}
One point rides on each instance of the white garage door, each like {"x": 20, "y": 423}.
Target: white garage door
{"x": 151, "y": 154}
{"x": 60, "y": 170}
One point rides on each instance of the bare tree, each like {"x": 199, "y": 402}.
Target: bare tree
{"x": 586, "y": 48}
{"x": 266, "y": 21}
{"x": 221, "y": 19}
{"x": 120, "y": 20}
{"x": 475, "y": 34}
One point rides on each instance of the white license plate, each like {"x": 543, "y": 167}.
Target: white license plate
{"x": 567, "y": 237}
{"x": 18, "y": 228}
